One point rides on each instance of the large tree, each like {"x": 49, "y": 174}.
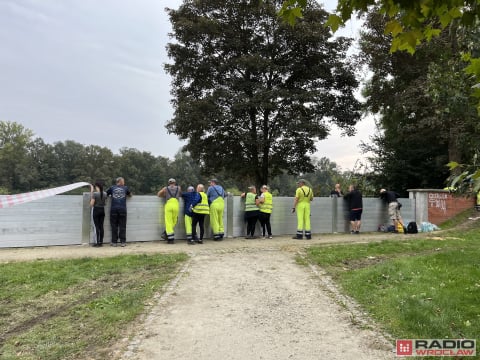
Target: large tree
{"x": 251, "y": 94}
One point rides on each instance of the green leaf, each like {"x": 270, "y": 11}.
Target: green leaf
{"x": 473, "y": 67}
{"x": 453, "y": 165}
{"x": 425, "y": 10}
{"x": 429, "y": 33}
{"x": 334, "y": 22}
{"x": 393, "y": 27}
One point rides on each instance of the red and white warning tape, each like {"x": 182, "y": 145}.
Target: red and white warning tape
{"x": 16, "y": 199}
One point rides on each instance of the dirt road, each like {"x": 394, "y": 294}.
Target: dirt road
{"x": 243, "y": 299}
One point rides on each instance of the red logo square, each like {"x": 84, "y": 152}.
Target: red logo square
{"x": 404, "y": 347}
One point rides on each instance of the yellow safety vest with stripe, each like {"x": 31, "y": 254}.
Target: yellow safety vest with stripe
{"x": 267, "y": 205}
{"x": 202, "y": 207}
{"x": 250, "y": 204}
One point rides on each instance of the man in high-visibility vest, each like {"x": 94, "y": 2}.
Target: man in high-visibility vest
{"x": 301, "y": 205}
{"x": 171, "y": 193}
{"x": 266, "y": 206}
{"x": 216, "y": 195}
{"x": 251, "y": 210}
{"x": 200, "y": 210}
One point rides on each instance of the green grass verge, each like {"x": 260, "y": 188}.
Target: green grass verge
{"x": 76, "y": 309}
{"x": 417, "y": 288}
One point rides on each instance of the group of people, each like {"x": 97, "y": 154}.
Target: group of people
{"x": 355, "y": 206}
{"x": 118, "y": 211}
{"x": 258, "y": 208}
{"x": 198, "y": 203}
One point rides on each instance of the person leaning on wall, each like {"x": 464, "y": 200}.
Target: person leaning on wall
{"x": 390, "y": 197}
{"x": 301, "y": 205}
{"x": 98, "y": 199}
{"x": 171, "y": 193}
{"x": 118, "y": 211}
{"x": 337, "y": 191}
{"x": 265, "y": 203}
{"x": 251, "y": 210}
{"x": 216, "y": 195}
{"x": 190, "y": 198}
{"x": 200, "y": 210}
{"x": 355, "y": 207}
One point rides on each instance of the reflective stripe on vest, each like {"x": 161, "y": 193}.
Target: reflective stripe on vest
{"x": 267, "y": 205}
{"x": 250, "y": 202}
{"x": 202, "y": 206}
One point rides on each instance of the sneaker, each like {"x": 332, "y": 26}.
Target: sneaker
{"x": 357, "y": 232}
{"x": 123, "y": 244}
{"x": 200, "y": 241}
{"x": 191, "y": 242}
{"x": 352, "y": 232}
{"x": 270, "y": 236}
{"x": 113, "y": 244}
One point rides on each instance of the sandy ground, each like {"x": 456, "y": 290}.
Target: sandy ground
{"x": 243, "y": 299}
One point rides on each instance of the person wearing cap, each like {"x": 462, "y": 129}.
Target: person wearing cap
{"x": 200, "y": 210}
{"x": 171, "y": 193}
{"x": 118, "y": 211}
{"x": 216, "y": 195}
{"x": 301, "y": 205}
{"x": 265, "y": 204}
{"x": 251, "y": 210}
{"x": 189, "y": 198}
{"x": 390, "y": 197}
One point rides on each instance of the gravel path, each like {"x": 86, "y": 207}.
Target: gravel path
{"x": 253, "y": 303}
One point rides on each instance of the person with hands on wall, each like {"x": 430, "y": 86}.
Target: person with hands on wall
{"x": 301, "y": 205}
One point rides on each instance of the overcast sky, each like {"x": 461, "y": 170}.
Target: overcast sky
{"x": 92, "y": 71}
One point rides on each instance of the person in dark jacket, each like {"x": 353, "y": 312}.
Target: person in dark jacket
{"x": 118, "y": 211}
{"x": 190, "y": 198}
{"x": 390, "y": 197}
{"x": 355, "y": 207}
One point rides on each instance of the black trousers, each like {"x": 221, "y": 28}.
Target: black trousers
{"x": 198, "y": 219}
{"x": 98, "y": 215}
{"x": 251, "y": 217}
{"x": 265, "y": 222}
{"x": 118, "y": 221}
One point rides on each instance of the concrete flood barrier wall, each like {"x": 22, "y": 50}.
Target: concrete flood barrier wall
{"x": 66, "y": 219}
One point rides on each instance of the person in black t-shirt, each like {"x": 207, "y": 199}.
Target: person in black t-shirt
{"x": 355, "y": 206}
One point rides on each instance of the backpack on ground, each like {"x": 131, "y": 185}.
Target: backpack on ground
{"x": 412, "y": 227}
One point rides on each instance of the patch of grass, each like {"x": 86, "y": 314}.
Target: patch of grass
{"x": 460, "y": 219}
{"x": 76, "y": 309}
{"x": 418, "y": 288}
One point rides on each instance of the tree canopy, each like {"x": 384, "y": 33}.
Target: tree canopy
{"x": 27, "y": 164}
{"x": 251, "y": 94}
{"x": 409, "y": 22}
